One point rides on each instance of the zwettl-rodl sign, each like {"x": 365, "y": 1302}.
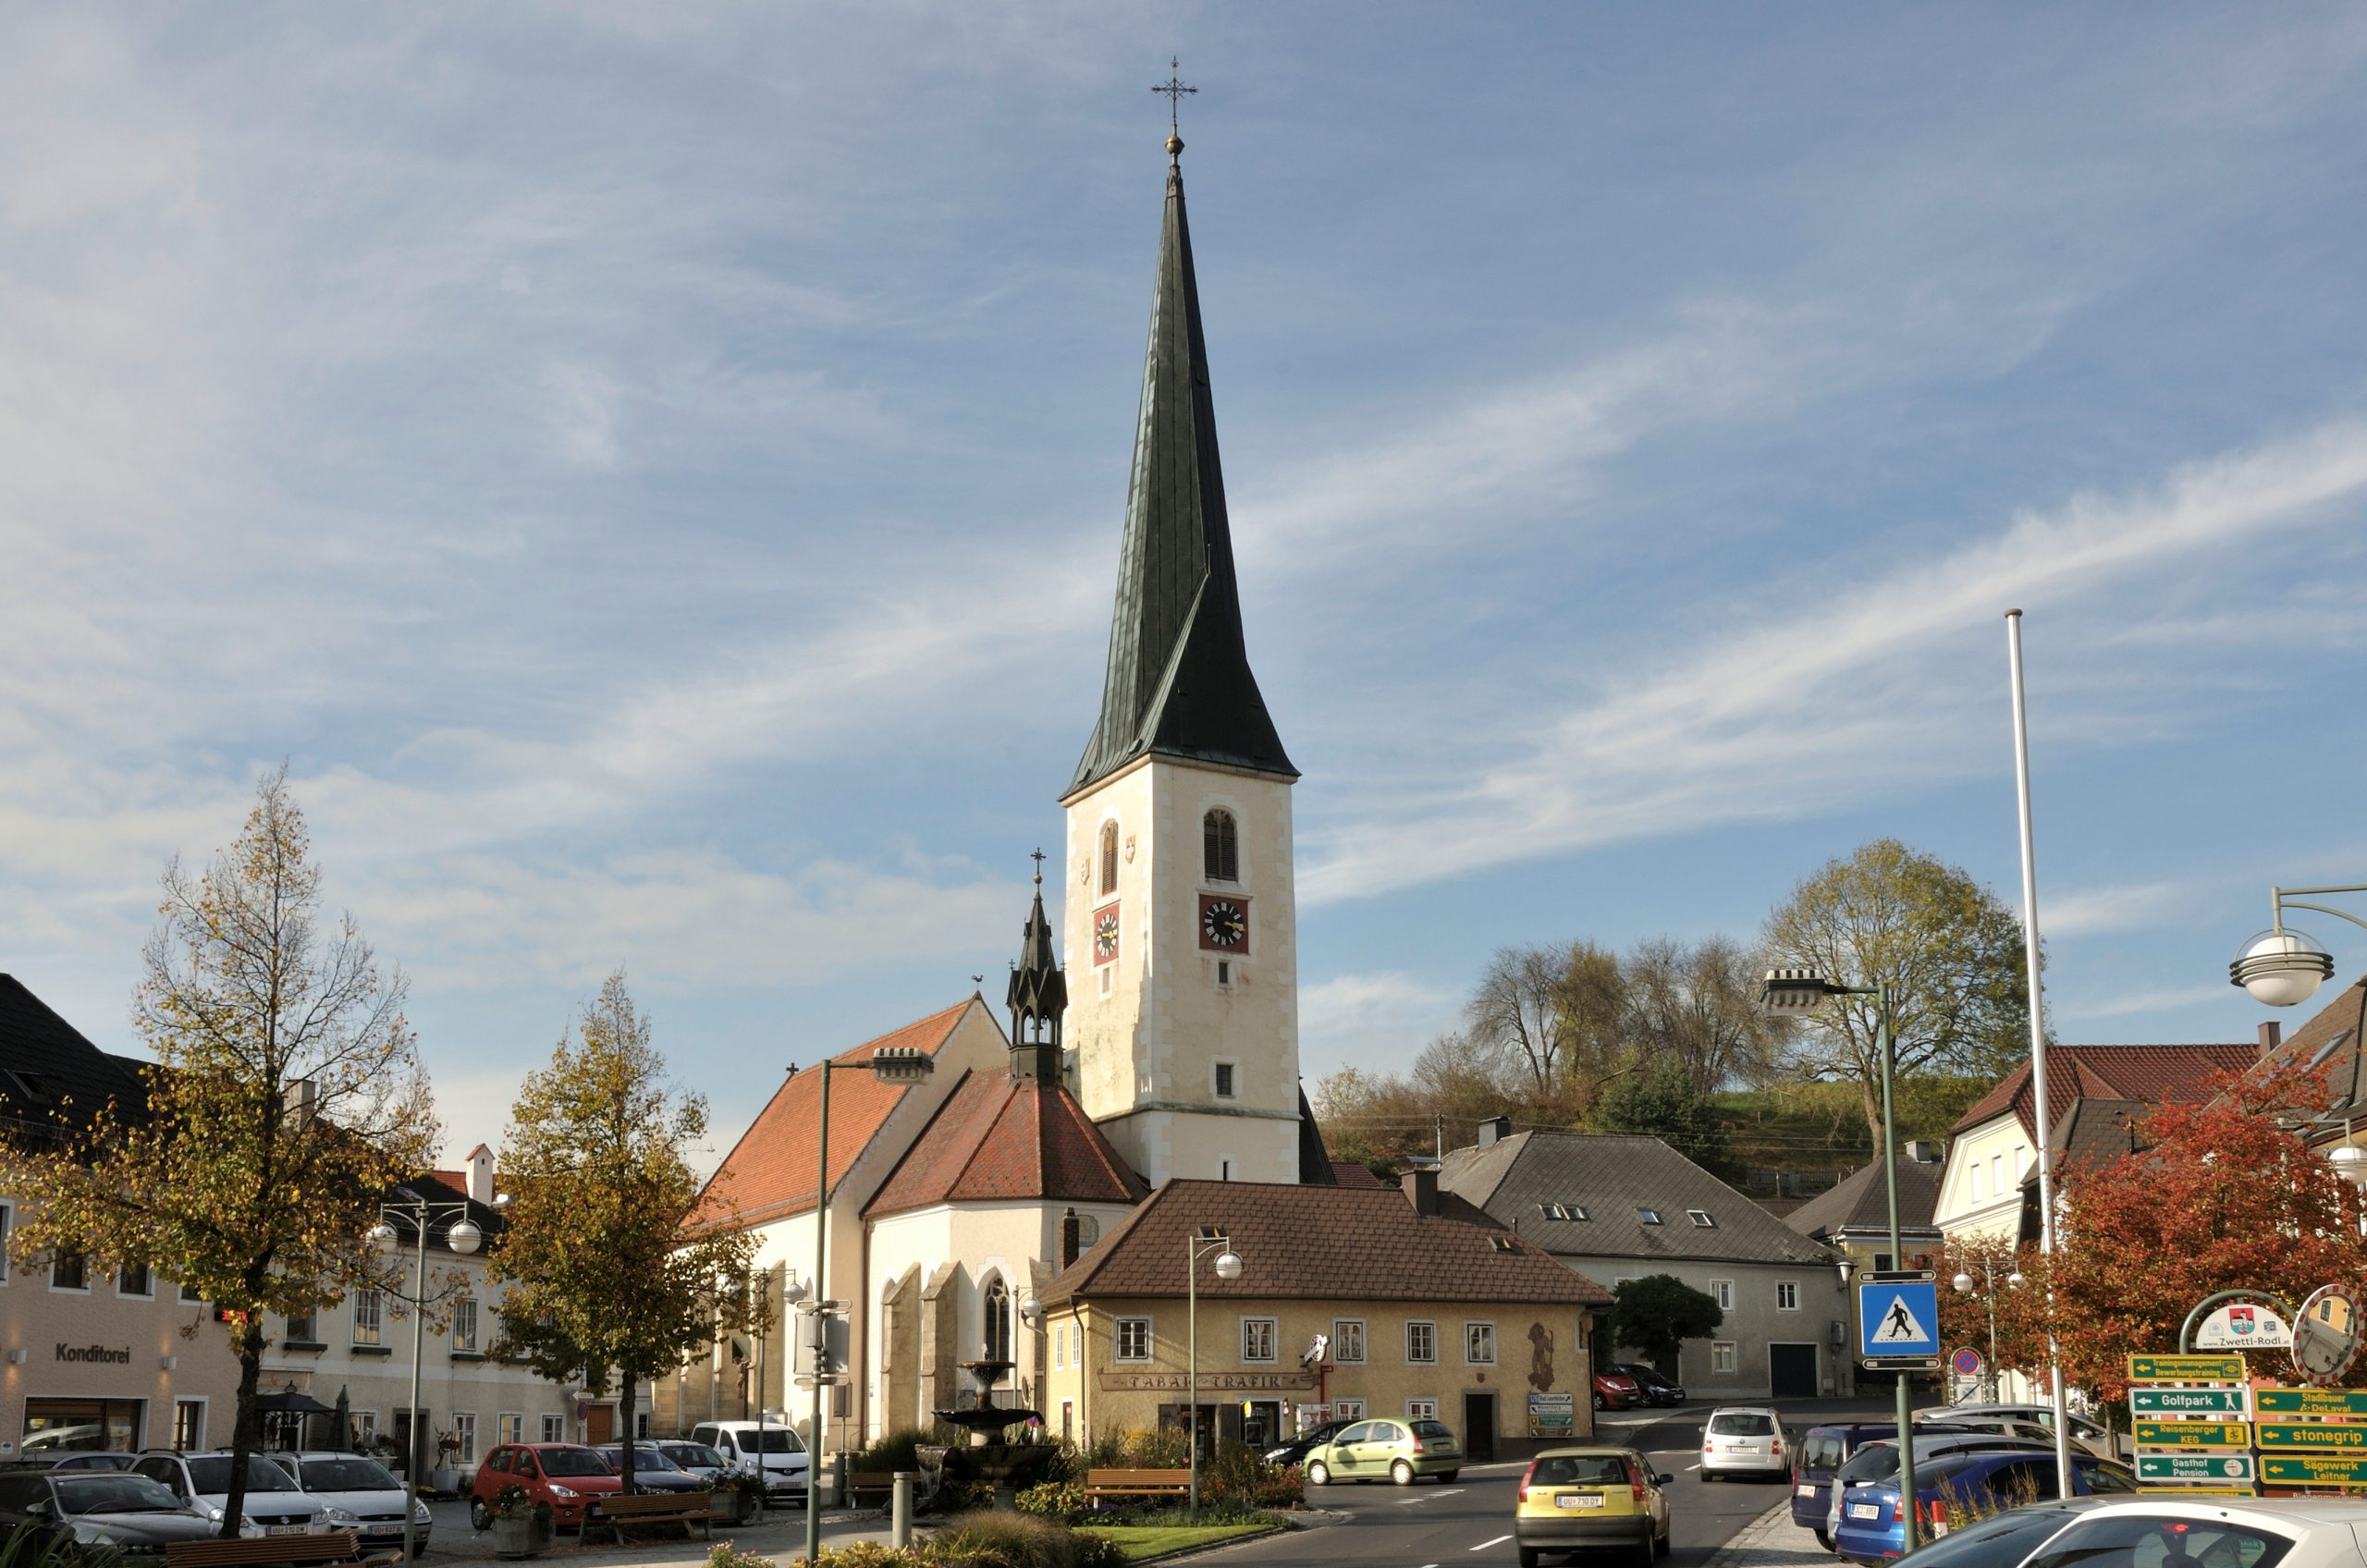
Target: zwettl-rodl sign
{"x": 2243, "y": 1325}
{"x": 2318, "y": 1435}
{"x": 2314, "y": 1469}
{"x": 2197, "y": 1434}
{"x": 2187, "y": 1401}
{"x": 2185, "y": 1368}
{"x": 2309, "y": 1402}
{"x": 2220, "y": 1467}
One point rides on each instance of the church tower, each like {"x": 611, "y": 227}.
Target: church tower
{"x": 1180, "y": 894}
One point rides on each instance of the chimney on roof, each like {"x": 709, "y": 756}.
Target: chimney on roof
{"x": 1419, "y": 1181}
{"x": 2272, "y": 1035}
{"x": 480, "y": 1174}
{"x": 1494, "y": 1130}
{"x": 1922, "y": 1151}
{"x": 1072, "y": 1238}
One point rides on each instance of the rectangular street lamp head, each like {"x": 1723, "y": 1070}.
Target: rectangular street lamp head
{"x": 1795, "y": 990}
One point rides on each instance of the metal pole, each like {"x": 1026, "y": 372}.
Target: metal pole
{"x": 900, "y": 1512}
{"x": 418, "y": 1348}
{"x": 1192, "y": 1360}
{"x": 1908, "y": 1502}
{"x": 764, "y": 1369}
{"x": 2037, "y": 1042}
{"x": 821, "y": 1262}
{"x": 1989, "y": 1270}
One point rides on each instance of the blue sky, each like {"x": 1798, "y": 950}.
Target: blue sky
{"x": 654, "y": 474}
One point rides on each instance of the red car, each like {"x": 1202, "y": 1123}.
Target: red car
{"x": 1617, "y": 1390}
{"x": 569, "y": 1477}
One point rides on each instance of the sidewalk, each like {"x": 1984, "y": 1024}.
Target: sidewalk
{"x": 782, "y": 1537}
{"x": 1772, "y": 1540}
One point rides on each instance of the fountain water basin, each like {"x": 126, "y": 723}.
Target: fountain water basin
{"x": 1005, "y": 1466}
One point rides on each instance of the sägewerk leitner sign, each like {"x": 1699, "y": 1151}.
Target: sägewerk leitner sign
{"x": 2197, "y": 1434}
{"x": 2187, "y": 1401}
{"x": 2319, "y": 1435}
{"x": 2314, "y": 1469}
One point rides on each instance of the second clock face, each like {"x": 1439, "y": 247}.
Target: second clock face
{"x": 1224, "y": 922}
{"x": 1105, "y": 933}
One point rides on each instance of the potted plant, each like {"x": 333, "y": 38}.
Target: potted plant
{"x": 736, "y": 1497}
{"x": 441, "y": 1476}
{"x": 522, "y": 1526}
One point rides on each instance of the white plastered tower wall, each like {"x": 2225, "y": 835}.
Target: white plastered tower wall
{"x": 1152, "y": 1025}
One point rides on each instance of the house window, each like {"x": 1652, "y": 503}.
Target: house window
{"x": 1701, "y": 1216}
{"x": 1649, "y": 1215}
{"x": 1574, "y": 1211}
{"x": 1347, "y": 1341}
{"x": 134, "y": 1279}
{"x": 1257, "y": 1337}
{"x": 188, "y": 1424}
{"x": 1787, "y": 1295}
{"x": 1479, "y": 1345}
{"x": 2021, "y": 1162}
{"x": 67, "y": 1272}
{"x": 464, "y": 1426}
{"x": 1220, "y": 847}
{"x": 464, "y": 1323}
{"x": 511, "y": 1427}
{"x": 189, "y": 1293}
{"x": 365, "y": 1427}
{"x": 1722, "y": 1356}
{"x": 1109, "y": 857}
{"x": 301, "y": 1331}
{"x": 1225, "y": 1079}
{"x": 1422, "y": 1410}
{"x": 553, "y": 1428}
{"x": 1723, "y": 1293}
{"x": 1347, "y": 1409}
{"x": 1421, "y": 1342}
{"x": 1130, "y": 1340}
{"x": 367, "y": 1309}
{"x": 1976, "y": 1193}
{"x": 1882, "y": 1262}
{"x": 998, "y": 1320}
{"x": 1551, "y": 1211}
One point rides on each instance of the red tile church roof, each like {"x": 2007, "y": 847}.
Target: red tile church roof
{"x": 997, "y": 1138}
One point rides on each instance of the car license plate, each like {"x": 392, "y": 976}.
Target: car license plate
{"x": 1808, "y": 1491}
{"x": 1577, "y": 1499}
{"x": 284, "y": 1529}
{"x": 1865, "y": 1511}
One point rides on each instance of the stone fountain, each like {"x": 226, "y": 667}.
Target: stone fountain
{"x": 1007, "y": 1466}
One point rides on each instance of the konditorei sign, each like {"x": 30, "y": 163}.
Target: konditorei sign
{"x": 108, "y": 1354}
{"x": 1210, "y": 1382}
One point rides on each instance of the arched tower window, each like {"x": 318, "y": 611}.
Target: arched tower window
{"x": 997, "y": 1313}
{"x": 1109, "y": 857}
{"x": 1220, "y": 846}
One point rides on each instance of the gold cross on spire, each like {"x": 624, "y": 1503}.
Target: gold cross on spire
{"x": 1039, "y": 858}
{"x": 1174, "y": 88}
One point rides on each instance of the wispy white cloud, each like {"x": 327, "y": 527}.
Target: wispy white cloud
{"x": 1376, "y": 1019}
{"x": 2171, "y": 999}
{"x": 2135, "y": 906}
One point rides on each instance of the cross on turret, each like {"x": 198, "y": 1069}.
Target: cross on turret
{"x": 1173, "y": 89}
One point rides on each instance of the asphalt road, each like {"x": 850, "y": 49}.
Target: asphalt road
{"x": 1428, "y": 1526}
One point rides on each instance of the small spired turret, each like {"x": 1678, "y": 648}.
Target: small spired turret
{"x": 1038, "y": 997}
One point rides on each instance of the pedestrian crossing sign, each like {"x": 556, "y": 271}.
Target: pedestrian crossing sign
{"x": 1899, "y": 1319}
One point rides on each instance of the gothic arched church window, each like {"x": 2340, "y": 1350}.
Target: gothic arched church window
{"x": 1109, "y": 857}
{"x": 998, "y": 1320}
{"x": 1220, "y": 846}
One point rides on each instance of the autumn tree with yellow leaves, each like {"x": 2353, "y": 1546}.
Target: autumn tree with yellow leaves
{"x": 285, "y": 1099}
{"x": 613, "y": 1268}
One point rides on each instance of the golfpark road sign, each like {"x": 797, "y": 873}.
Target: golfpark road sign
{"x": 2187, "y": 1401}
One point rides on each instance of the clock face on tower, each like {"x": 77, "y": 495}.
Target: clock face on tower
{"x": 1224, "y": 922}
{"x": 1105, "y": 933}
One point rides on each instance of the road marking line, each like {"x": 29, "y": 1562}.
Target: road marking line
{"x": 1693, "y": 1467}
{"x": 1485, "y": 1545}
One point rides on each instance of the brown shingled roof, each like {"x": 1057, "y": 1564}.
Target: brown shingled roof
{"x": 1000, "y": 1138}
{"x": 1364, "y": 1244}
{"x": 2155, "y": 1074}
{"x": 769, "y": 1172}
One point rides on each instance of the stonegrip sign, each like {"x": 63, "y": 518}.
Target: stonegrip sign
{"x": 95, "y": 1353}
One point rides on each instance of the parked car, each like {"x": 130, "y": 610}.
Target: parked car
{"x": 1571, "y": 1499}
{"x": 2096, "y": 1439}
{"x": 1387, "y": 1449}
{"x": 1615, "y": 1390}
{"x": 695, "y": 1459}
{"x": 1293, "y": 1450}
{"x": 569, "y": 1476}
{"x": 1819, "y": 1453}
{"x": 1745, "y": 1439}
{"x": 102, "y": 1508}
{"x": 651, "y": 1471}
{"x": 2219, "y": 1532}
{"x": 275, "y": 1505}
{"x": 1656, "y": 1388}
{"x": 1878, "y": 1460}
{"x": 1874, "y": 1515}
{"x": 782, "y": 1462}
{"x": 358, "y": 1493}
{"x": 2002, "y": 1540}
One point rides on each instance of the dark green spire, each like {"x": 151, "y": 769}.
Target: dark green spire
{"x": 1179, "y": 682}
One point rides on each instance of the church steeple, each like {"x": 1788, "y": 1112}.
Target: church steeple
{"x": 1038, "y": 997}
{"x": 1178, "y": 681}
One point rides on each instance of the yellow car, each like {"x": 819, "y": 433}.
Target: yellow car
{"x": 1576, "y": 1498}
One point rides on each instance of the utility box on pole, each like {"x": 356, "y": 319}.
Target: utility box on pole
{"x": 821, "y": 1343}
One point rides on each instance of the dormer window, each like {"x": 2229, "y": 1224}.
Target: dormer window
{"x": 1109, "y": 857}
{"x": 1649, "y": 1215}
{"x": 1220, "y": 847}
{"x": 1701, "y": 1216}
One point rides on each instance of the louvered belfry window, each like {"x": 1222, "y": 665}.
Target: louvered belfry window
{"x": 1220, "y": 847}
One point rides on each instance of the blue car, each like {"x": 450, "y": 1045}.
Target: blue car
{"x": 1873, "y": 1530}
{"x": 1824, "y": 1450}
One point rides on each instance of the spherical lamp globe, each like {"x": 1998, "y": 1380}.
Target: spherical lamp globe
{"x": 2281, "y": 968}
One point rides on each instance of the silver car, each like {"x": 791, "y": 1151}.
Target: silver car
{"x": 2232, "y": 1532}
{"x": 1747, "y": 1439}
{"x": 358, "y": 1493}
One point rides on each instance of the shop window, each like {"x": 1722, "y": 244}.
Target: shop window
{"x": 188, "y": 1424}
{"x": 72, "y": 1426}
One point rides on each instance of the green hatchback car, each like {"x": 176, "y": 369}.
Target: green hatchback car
{"x": 1386, "y": 1451}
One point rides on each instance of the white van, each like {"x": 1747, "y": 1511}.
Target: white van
{"x": 783, "y": 1460}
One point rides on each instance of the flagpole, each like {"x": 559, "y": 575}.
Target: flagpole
{"x": 2037, "y": 1042}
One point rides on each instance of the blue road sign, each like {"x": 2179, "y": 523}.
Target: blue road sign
{"x": 1899, "y": 1319}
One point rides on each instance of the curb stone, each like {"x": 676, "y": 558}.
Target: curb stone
{"x": 1764, "y": 1543}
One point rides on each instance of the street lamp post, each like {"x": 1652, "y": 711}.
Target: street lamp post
{"x": 894, "y": 1064}
{"x": 462, "y": 1236}
{"x": 1964, "y": 1284}
{"x": 1805, "y": 991}
{"x": 1228, "y": 1266}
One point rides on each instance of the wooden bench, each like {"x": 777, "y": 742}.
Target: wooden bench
{"x": 653, "y": 1508}
{"x": 880, "y": 1481}
{"x": 1100, "y": 1484}
{"x": 266, "y": 1551}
